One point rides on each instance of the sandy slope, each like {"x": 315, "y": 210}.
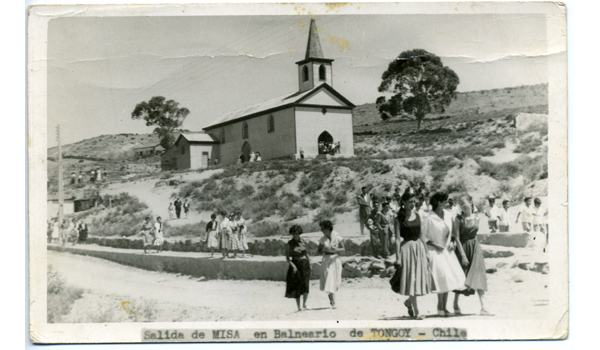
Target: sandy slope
{"x": 181, "y": 298}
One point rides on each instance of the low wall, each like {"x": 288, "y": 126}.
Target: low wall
{"x": 196, "y": 265}
{"x": 277, "y": 246}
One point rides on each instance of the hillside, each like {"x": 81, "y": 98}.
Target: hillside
{"x": 105, "y": 147}
{"x": 473, "y": 149}
{"x": 468, "y": 105}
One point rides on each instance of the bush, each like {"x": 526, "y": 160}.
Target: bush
{"x": 528, "y": 145}
{"x": 443, "y": 164}
{"x": 187, "y": 230}
{"x": 294, "y": 212}
{"x": 166, "y": 175}
{"x": 381, "y": 168}
{"x": 60, "y": 296}
{"x": 326, "y": 212}
{"x": 414, "y": 164}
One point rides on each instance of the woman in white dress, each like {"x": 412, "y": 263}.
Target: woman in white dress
{"x": 158, "y": 235}
{"x": 331, "y": 244}
{"x": 438, "y": 229}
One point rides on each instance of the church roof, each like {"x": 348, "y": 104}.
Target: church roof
{"x": 196, "y": 137}
{"x": 313, "y": 48}
{"x": 277, "y": 103}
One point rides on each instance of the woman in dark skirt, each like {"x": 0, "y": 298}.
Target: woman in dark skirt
{"x": 298, "y": 275}
{"x": 411, "y": 255}
{"x": 468, "y": 247}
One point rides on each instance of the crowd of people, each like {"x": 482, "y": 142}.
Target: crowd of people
{"x": 251, "y": 158}
{"x": 96, "y": 174}
{"x": 329, "y": 147}
{"x": 69, "y": 231}
{"x": 175, "y": 208}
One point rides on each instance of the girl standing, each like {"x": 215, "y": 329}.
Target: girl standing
{"x": 297, "y": 282}
{"x": 212, "y": 229}
{"x": 234, "y": 241}
{"x": 446, "y": 271}
{"x": 171, "y": 211}
{"x": 242, "y": 231}
{"x": 411, "y": 255}
{"x": 331, "y": 267}
{"x": 146, "y": 231}
{"x": 158, "y": 234}
{"x": 469, "y": 249}
{"x": 225, "y": 228}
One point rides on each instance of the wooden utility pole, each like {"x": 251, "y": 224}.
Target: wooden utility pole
{"x": 61, "y": 198}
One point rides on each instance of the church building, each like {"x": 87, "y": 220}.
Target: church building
{"x": 313, "y": 120}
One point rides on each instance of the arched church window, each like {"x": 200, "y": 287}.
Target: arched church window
{"x": 305, "y": 73}
{"x": 223, "y": 136}
{"x": 245, "y": 130}
{"x": 271, "y": 124}
{"x": 321, "y": 72}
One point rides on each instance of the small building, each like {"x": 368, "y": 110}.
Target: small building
{"x": 191, "y": 151}
{"x": 147, "y": 151}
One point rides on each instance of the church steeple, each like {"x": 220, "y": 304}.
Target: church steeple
{"x": 313, "y": 48}
{"x": 315, "y": 69}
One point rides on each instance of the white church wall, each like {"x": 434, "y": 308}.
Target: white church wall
{"x": 311, "y": 122}
{"x": 324, "y": 98}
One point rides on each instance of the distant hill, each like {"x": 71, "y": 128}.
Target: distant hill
{"x": 529, "y": 98}
{"x": 105, "y": 147}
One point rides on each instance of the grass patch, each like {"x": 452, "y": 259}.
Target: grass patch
{"x": 61, "y": 297}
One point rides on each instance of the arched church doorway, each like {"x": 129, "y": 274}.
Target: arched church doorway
{"x": 246, "y": 149}
{"x": 326, "y": 145}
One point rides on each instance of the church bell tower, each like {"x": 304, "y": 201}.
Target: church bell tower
{"x": 314, "y": 69}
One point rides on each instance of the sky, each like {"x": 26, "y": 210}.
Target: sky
{"x": 99, "y": 68}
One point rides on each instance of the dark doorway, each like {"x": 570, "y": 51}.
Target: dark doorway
{"x": 246, "y": 149}
{"x": 325, "y": 143}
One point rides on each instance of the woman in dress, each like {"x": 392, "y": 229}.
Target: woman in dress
{"x": 446, "y": 273}
{"x": 331, "y": 266}
{"x": 297, "y": 282}
{"x": 212, "y": 233}
{"x": 147, "y": 233}
{"x": 225, "y": 232}
{"x": 55, "y": 231}
{"x": 411, "y": 255}
{"x": 242, "y": 231}
{"x": 468, "y": 248}
{"x": 158, "y": 235}
{"x": 171, "y": 211}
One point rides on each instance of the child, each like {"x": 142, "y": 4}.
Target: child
{"x": 492, "y": 214}
{"x": 503, "y": 224}
{"x": 158, "y": 234}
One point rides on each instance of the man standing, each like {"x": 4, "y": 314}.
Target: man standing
{"x": 382, "y": 220}
{"x": 186, "y": 208}
{"x": 492, "y": 214}
{"x": 364, "y": 208}
{"x": 178, "y": 208}
{"x": 525, "y": 215}
{"x": 504, "y": 222}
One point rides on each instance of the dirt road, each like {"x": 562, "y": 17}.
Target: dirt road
{"x": 114, "y": 291}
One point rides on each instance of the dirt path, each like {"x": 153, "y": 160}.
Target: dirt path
{"x": 181, "y": 298}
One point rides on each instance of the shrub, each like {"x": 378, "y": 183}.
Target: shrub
{"x": 187, "y": 230}
{"x": 294, "y": 212}
{"x": 498, "y": 144}
{"x": 246, "y": 191}
{"x": 381, "y": 168}
{"x": 166, "y": 175}
{"x": 528, "y": 145}
{"x": 60, "y": 296}
{"x": 326, "y": 212}
{"x": 443, "y": 164}
{"x": 414, "y": 164}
